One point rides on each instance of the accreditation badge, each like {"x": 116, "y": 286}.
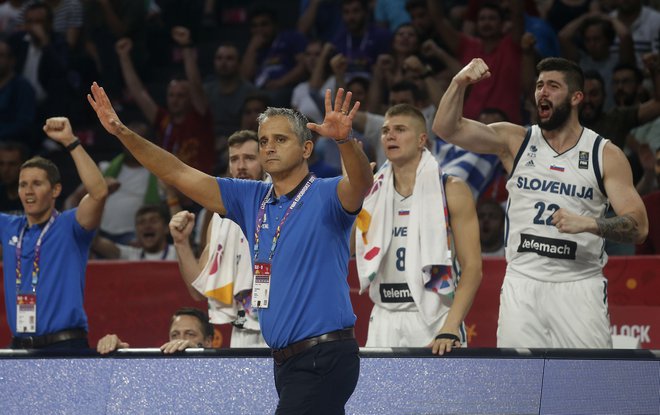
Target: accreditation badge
{"x": 261, "y": 285}
{"x": 26, "y": 313}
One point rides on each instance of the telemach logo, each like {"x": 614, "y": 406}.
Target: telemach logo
{"x": 395, "y": 293}
{"x": 548, "y": 247}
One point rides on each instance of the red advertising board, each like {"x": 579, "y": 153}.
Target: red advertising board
{"x": 136, "y": 299}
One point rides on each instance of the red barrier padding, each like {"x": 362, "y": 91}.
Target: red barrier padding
{"x": 136, "y": 299}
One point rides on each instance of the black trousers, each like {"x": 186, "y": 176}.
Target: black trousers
{"x": 319, "y": 380}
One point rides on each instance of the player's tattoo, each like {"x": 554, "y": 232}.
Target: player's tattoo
{"x": 619, "y": 228}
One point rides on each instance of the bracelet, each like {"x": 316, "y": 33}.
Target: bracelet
{"x": 73, "y": 145}
{"x": 343, "y": 140}
{"x": 449, "y": 336}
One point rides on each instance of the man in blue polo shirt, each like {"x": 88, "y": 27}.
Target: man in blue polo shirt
{"x": 45, "y": 251}
{"x": 298, "y": 228}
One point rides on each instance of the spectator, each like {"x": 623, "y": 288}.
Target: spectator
{"x": 131, "y": 186}
{"x": 45, "y": 251}
{"x": 421, "y": 19}
{"x": 226, "y": 93}
{"x": 360, "y": 41}
{"x": 273, "y": 59}
{"x": 190, "y": 327}
{"x": 318, "y": 325}
{"x": 391, "y": 67}
{"x": 186, "y": 127}
{"x": 644, "y": 24}
{"x": 502, "y": 53}
{"x": 403, "y": 253}
{"x": 306, "y": 96}
{"x": 42, "y": 58}
{"x": 17, "y": 101}
{"x": 598, "y": 33}
{"x": 151, "y": 232}
{"x": 491, "y": 228}
{"x": 617, "y": 122}
{"x": 253, "y": 106}
{"x": 12, "y": 156}
{"x": 67, "y": 19}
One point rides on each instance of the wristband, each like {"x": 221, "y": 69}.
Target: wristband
{"x": 449, "y": 336}
{"x": 343, "y": 140}
{"x": 73, "y": 145}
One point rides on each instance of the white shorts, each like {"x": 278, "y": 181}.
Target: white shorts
{"x": 539, "y": 314}
{"x": 402, "y": 329}
{"x": 246, "y": 338}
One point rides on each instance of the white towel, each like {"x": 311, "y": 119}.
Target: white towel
{"x": 428, "y": 258}
{"x": 227, "y": 273}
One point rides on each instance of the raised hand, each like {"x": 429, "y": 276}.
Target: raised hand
{"x": 59, "y": 129}
{"x": 473, "y": 72}
{"x": 339, "y": 64}
{"x": 181, "y": 35}
{"x": 103, "y": 107}
{"x": 181, "y": 226}
{"x": 123, "y": 46}
{"x": 338, "y": 121}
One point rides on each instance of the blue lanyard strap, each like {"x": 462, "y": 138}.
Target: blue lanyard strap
{"x": 278, "y": 232}
{"x": 37, "y": 254}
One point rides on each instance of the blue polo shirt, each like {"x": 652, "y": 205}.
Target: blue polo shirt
{"x": 309, "y": 293}
{"x": 61, "y": 281}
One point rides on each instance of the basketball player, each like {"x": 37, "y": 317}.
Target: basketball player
{"x": 562, "y": 177}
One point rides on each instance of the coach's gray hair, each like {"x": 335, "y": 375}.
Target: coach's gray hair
{"x": 297, "y": 121}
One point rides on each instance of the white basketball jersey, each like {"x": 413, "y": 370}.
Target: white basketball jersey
{"x": 389, "y": 289}
{"x": 542, "y": 182}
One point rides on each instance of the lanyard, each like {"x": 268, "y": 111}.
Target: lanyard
{"x": 262, "y": 214}
{"x": 362, "y": 47}
{"x": 37, "y": 254}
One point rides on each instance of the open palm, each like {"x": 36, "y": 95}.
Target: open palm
{"x": 104, "y": 111}
{"x": 338, "y": 121}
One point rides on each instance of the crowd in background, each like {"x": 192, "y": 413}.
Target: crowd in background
{"x": 189, "y": 74}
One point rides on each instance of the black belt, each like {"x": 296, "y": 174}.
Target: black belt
{"x": 36, "y": 342}
{"x": 282, "y": 355}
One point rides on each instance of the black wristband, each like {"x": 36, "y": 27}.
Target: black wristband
{"x": 73, "y": 145}
{"x": 448, "y": 336}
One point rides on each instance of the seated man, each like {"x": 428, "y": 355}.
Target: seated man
{"x": 151, "y": 231}
{"x": 190, "y": 327}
